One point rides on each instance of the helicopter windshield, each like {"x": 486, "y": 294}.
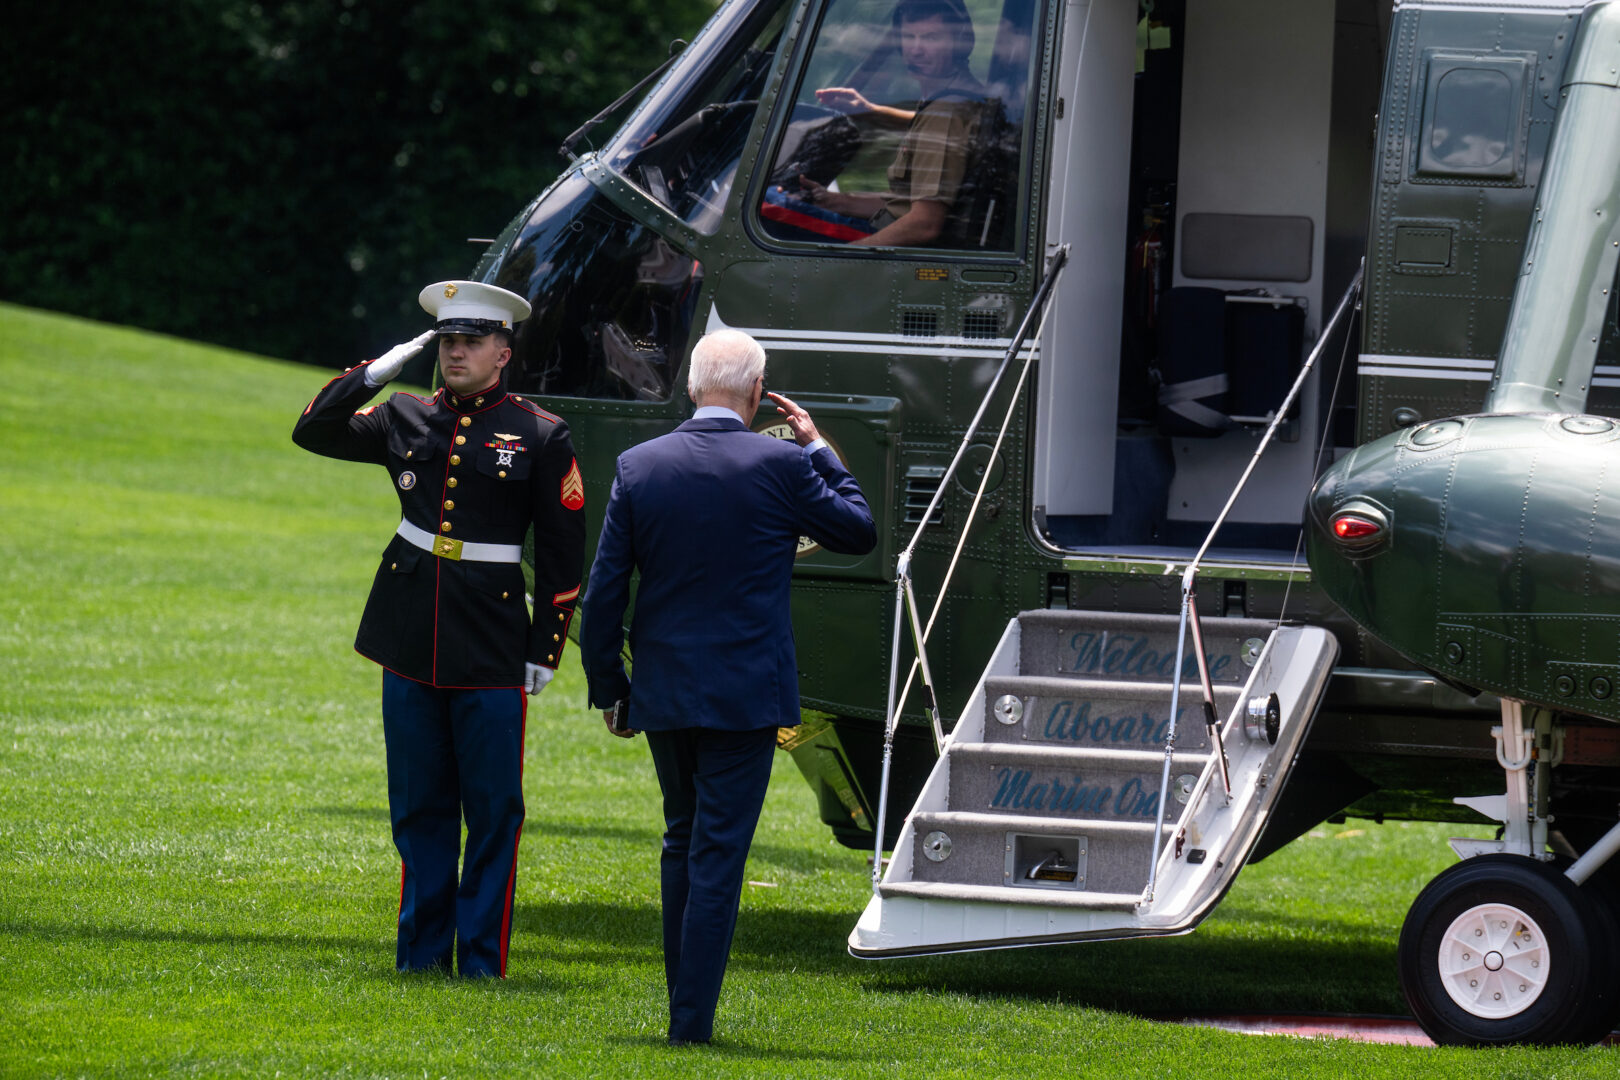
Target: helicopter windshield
{"x": 616, "y": 330}
{"x": 683, "y": 145}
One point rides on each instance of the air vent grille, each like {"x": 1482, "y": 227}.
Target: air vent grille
{"x": 919, "y": 323}
{"x": 981, "y": 324}
{"x": 921, "y": 483}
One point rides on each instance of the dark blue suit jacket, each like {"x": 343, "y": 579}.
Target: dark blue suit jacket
{"x": 710, "y": 515}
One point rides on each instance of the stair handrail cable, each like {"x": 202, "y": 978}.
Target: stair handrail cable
{"x": 1189, "y": 594}
{"x": 905, "y": 600}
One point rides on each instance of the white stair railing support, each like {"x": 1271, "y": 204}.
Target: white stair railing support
{"x": 1189, "y": 594}
{"x": 905, "y": 598}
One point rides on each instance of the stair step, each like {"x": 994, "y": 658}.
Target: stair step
{"x": 1136, "y": 648}
{"x": 1123, "y": 830}
{"x": 998, "y": 850}
{"x": 1097, "y": 713}
{"x": 989, "y": 894}
{"x": 1040, "y": 781}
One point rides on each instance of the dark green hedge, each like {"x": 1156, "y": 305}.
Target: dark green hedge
{"x": 285, "y": 177}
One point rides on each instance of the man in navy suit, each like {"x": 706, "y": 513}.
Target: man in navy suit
{"x": 710, "y": 515}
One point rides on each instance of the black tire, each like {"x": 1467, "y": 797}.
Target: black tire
{"x": 1541, "y": 974}
{"x": 1602, "y": 893}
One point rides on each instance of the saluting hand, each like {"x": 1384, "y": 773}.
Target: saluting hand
{"x": 388, "y": 366}
{"x": 804, "y": 428}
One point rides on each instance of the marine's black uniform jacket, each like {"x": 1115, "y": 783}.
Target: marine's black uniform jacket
{"x": 480, "y": 469}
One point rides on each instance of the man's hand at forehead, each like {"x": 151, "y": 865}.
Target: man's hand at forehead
{"x": 804, "y": 428}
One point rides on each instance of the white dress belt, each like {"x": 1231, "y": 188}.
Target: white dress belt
{"x": 457, "y": 550}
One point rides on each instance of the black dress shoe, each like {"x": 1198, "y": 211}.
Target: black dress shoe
{"x": 687, "y": 1042}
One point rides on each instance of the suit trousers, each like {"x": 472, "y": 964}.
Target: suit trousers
{"x": 714, "y": 785}
{"x": 454, "y": 754}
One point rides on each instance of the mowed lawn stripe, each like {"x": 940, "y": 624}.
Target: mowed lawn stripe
{"x": 195, "y": 871}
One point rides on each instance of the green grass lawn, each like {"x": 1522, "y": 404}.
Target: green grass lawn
{"x": 195, "y": 870}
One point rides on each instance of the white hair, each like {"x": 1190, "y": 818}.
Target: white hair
{"x": 725, "y": 362}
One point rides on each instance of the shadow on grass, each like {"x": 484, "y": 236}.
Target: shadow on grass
{"x": 644, "y": 842}
{"x": 291, "y": 941}
{"x": 730, "y": 1047}
{"x": 1287, "y": 973}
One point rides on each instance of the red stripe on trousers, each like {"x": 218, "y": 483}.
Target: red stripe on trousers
{"x": 511, "y": 878}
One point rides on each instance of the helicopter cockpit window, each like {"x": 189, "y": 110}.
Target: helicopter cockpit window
{"x": 908, "y": 127}
{"x": 683, "y": 145}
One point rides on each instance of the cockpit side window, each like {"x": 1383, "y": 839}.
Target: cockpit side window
{"x": 683, "y": 145}
{"x": 908, "y": 127}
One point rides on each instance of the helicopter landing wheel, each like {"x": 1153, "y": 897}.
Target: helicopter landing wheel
{"x": 1505, "y": 949}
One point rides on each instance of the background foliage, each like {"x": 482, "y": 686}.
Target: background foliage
{"x": 284, "y": 177}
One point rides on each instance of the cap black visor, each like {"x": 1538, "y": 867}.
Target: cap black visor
{"x": 472, "y": 327}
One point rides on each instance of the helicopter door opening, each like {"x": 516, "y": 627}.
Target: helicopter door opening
{"x": 1202, "y": 271}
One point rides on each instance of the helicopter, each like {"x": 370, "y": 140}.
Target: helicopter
{"x": 1237, "y": 412}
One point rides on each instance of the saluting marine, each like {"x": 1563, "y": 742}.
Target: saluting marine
{"x": 474, "y": 468}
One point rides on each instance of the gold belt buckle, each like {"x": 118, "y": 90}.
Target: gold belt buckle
{"x": 446, "y": 548}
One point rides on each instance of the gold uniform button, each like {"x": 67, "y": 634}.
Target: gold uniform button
{"x": 505, "y": 595}
{"x": 461, "y": 440}
{"x": 394, "y": 567}
{"x": 408, "y": 453}
{"x": 455, "y": 459}
{"x": 555, "y": 637}
{"x": 445, "y": 527}
{"x": 503, "y": 474}
{"x": 449, "y": 504}
{"x": 450, "y": 482}
{"x": 466, "y": 421}
{"x": 552, "y": 659}
{"x": 561, "y": 616}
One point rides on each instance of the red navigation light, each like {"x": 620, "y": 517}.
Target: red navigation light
{"x": 1355, "y": 527}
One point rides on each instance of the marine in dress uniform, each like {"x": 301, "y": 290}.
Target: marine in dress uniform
{"x": 710, "y": 517}
{"x": 474, "y": 468}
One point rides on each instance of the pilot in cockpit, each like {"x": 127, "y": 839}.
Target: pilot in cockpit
{"x": 936, "y": 151}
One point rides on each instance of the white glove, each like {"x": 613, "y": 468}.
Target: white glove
{"x": 535, "y": 677}
{"x": 388, "y": 366}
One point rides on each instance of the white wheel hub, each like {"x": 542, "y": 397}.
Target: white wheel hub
{"x": 1493, "y": 961}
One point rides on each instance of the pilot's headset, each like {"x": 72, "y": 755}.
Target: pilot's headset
{"x": 955, "y": 14}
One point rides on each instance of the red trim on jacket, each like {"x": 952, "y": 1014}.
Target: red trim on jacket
{"x": 524, "y": 403}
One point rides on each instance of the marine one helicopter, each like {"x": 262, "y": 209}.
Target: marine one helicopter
{"x": 1232, "y": 382}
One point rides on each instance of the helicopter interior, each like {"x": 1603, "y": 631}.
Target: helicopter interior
{"x": 1248, "y": 125}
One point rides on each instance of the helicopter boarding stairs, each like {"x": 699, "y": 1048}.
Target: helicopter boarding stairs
{"x": 1036, "y": 825}
{"x": 1073, "y": 800}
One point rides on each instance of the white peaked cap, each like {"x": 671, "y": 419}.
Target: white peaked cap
{"x": 471, "y": 307}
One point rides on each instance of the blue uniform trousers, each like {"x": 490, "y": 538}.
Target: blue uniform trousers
{"x": 714, "y": 785}
{"x": 454, "y": 754}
